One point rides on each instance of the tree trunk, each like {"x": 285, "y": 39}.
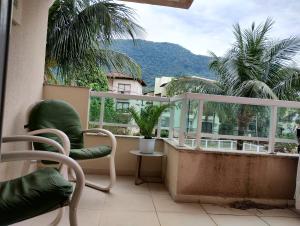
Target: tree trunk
{"x": 243, "y": 120}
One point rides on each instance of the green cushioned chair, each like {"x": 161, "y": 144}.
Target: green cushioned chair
{"x": 60, "y": 115}
{"x": 32, "y": 195}
{"x": 41, "y": 191}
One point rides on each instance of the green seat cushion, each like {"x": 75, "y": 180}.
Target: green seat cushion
{"x": 90, "y": 153}
{"x": 34, "y": 194}
{"x": 56, "y": 114}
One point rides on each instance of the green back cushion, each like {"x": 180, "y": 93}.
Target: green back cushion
{"x": 32, "y": 195}
{"x": 56, "y": 114}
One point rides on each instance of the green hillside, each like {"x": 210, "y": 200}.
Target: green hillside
{"x": 164, "y": 59}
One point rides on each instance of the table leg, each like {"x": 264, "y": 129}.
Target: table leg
{"x": 138, "y": 179}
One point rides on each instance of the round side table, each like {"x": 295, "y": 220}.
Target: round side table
{"x": 138, "y": 179}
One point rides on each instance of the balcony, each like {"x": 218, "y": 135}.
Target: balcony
{"x": 209, "y": 122}
{"x": 203, "y": 161}
{"x": 215, "y": 155}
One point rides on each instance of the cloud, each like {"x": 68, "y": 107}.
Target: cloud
{"x": 207, "y": 25}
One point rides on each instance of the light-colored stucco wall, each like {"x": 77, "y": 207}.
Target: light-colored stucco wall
{"x": 25, "y": 72}
{"x": 125, "y": 162}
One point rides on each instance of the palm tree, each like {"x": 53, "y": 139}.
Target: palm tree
{"x": 79, "y": 33}
{"x": 255, "y": 66}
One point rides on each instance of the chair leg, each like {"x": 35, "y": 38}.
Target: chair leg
{"x": 59, "y": 216}
{"x": 112, "y": 179}
{"x": 73, "y": 216}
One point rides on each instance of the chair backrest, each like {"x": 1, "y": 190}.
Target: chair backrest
{"x": 56, "y": 114}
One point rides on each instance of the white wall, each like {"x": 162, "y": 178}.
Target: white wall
{"x": 25, "y": 72}
{"x": 161, "y": 91}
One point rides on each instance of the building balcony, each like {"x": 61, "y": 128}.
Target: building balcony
{"x": 203, "y": 161}
{"x": 211, "y": 175}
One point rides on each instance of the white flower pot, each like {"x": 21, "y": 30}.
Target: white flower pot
{"x": 147, "y": 145}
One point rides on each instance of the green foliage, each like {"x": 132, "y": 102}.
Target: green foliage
{"x": 255, "y": 66}
{"x": 75, "y": 28}
{"x": 163, "y": 59}
{"x": 93, "y": 78}
{"x": 110, "y": 113}
{"x": 148, "y": 118}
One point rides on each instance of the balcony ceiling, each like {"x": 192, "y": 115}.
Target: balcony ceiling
{"x": 185, "y": 4}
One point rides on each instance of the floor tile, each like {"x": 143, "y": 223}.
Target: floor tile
{"x": 184, "y": 219}
{"x": 230, "y": 220}
{"x": 85, "y": 217}
{"x": 92, "y": 199}
{"x": 123, "y": 184}
{"x": 166, "y": 204}
{"x": 282, "y": 221}
{"x": 215, "y": 209}
{"x": 125, "y": 218}
{"x": 158, "y": 188}
{"x": 277, "y": 213}
{"x": 129, "y": 202}
{"x": 151, "y": 205}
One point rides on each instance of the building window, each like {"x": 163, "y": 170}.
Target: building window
{"x": 122, "y": 106}
{"x": 124, "y": 88}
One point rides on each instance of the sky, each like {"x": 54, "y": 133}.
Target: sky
{"x": 207, "y": 25}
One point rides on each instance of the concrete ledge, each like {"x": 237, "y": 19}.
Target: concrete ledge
{"x": 221, "y": 177}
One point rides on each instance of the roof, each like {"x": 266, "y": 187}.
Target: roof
{"x": 117, "y": 75}
{"x": 185, "y": 4}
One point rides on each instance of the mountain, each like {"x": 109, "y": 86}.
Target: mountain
{"x": 164, "y": 59}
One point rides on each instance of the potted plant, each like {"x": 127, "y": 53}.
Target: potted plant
{"x": 146, "y": 120}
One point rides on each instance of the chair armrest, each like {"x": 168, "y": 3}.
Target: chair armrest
{"x": 61, "y": 135}
{"x": 109, "y": 134}
{"x": 30, "y": 138}
{"x": 51, "y": 156}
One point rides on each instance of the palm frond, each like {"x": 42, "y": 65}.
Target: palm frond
{"x": 148, "y": 118}
{"x": 288, "y": 87}
{"x": 78, "y": 30}
{"x": 192, "y": 84}
{"x": 255, "y": 88}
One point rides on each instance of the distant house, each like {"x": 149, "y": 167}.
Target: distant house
{"x": 125, "y": 84}
{"x": 160, "y": 85}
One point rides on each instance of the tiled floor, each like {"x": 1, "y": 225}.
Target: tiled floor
{"x": 151, "y": 205}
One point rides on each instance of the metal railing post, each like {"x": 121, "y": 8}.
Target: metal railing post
{"x": 273, "y": 126}
{"x": 183, "y": 117}
{"x": 171, "y": 126}
{"x": 159, "y": 127}
{"x": 199, "y": 124}
{"x": 102, "y": 107}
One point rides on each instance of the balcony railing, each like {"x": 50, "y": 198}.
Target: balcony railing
{"x": 207, "y": 121}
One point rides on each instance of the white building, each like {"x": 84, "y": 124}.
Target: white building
{"x": 160, "y": 85}
{"x": 125, "y": 84}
